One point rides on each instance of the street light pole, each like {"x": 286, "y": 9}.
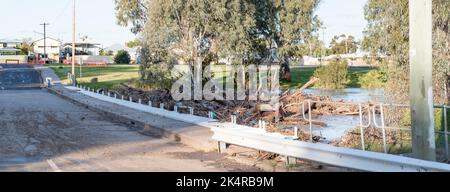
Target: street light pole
{"x": 73, "y": 41}
{"x": 421, "y": 61}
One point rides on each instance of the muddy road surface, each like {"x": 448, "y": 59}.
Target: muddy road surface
{"x": 42, "y": 132}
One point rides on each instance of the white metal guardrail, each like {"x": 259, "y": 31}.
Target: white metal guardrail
{"x": 322, "y": 153}
{"x": 231, "y": 133}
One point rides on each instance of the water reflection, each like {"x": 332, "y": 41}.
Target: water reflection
{"x": 350, "y": 94}
{"x": 338, "y": 125}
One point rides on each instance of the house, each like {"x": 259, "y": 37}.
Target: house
{"x": 50, "y": 46}
{"x": 10, "y": 43}
{"x": 9, "y": 52}
{"x": 83, "y": 48}
{"x": 114, "y": 49}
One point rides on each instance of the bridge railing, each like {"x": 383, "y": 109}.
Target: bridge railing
{"x": 376, "y": 116}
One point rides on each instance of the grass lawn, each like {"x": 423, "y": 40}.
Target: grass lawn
{"x": 108, "y": 76}
{"x": 112, "y": 75}
{"x": 300, "y": 76}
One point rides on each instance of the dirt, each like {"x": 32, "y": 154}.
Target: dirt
{"x": 38, "y": 128}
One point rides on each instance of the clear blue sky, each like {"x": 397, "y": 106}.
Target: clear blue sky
{"x": 96, "y": 19}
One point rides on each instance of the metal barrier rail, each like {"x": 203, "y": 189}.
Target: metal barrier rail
{"x": 372, "y": 120}
{"x": 231, "y": 133}
{"x": 322, "y": 153}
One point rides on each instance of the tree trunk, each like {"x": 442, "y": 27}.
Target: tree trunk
{"x": 285, "y": 70}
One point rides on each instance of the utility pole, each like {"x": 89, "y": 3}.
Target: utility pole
{"x": 421, "y": 60}
{"x": 73, "y": 40}
{"x": 45, "y": 41}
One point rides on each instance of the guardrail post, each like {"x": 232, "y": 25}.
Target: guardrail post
{"x": 161, "y": 105}
{"x": 150, "y": 103}
{"x": 291, "y": 160}
{"x": 131, "y": 99}
{"x": 175, "y": 108}
{"x": 222, "y": 147}
{"x": 191, "y": 110}
{"x": 140, "y": 101}
{"x": 49, "y": 81}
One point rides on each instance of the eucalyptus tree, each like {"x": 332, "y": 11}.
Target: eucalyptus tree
{"x": 132, "y": 12}
{"x": 387, "y": 33}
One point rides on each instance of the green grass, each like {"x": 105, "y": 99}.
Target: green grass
{"x": 300, "y": 76}
{"x": 108, "y": 76}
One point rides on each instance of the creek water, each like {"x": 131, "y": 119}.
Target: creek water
{"x": 339, "y": 125}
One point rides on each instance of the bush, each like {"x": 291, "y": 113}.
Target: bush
{"x": 333, "y": 75}
{"x": 122, "y": 57}
{"x": 373, "y": 79}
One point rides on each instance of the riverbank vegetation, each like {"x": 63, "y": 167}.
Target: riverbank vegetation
{"x": 333, "y": 75}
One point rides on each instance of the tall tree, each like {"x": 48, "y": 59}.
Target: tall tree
{"x": 132, "y": 12}
{"x": 237, "y": 29}
{"x": 387, "y": 33}
{"x": 287, "y": 26}
{"x": 343, "y": 44}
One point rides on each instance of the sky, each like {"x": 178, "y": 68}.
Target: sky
{"x": 342, "y": 17}
{"x": 96, "y": 19}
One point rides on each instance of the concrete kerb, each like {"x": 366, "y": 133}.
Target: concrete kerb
{"x": 200, "y": 138}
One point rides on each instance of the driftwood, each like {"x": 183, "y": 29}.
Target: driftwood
{"x": 247, "y": 112}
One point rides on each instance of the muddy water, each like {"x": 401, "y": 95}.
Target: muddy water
{"x": 338, "y": 126}
{"x": 351, "y": 95}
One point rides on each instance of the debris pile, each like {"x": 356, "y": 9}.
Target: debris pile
{"x": 280, "y": 118}
{"x": 397, "y": 141}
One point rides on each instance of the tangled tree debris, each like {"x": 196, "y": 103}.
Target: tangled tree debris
{"x": 281, "y": 118}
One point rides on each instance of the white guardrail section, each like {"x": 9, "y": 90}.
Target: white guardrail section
{"x": 259, "y": 139}
{"x": 196, "y": 120}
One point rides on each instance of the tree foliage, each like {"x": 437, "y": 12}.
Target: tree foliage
{"x": 387, "y": 33}
{"x": 333, "y": 76}
{"x": 343, "y": 44}
{"x": 243, "y": 31}
{"x": 122, "y": 57}
{"x": 132, "y": 12}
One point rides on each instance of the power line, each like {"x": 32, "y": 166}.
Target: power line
{"x": 66, "y": 6}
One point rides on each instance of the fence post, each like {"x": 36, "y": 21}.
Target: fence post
{"x": 310, "y": 122}
{"x": 361, "y": 127}
{"x": 383, "y": 127}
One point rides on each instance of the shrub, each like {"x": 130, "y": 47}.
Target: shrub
{"x": 122, "y": 57}
{"x": 373, "y": 79}
{"x": 333, "y": 75}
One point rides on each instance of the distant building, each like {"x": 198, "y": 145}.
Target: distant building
{"x": 85, "y": 48}
{"x": 52, "y": 47}
{"x": 114, "y": 49}
{"x": 9, "y": 52}
{"x": 10, "y": 43}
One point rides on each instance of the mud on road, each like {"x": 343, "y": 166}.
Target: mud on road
{"x": 19, "y": 77}
{"x": 42, "y": 132}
